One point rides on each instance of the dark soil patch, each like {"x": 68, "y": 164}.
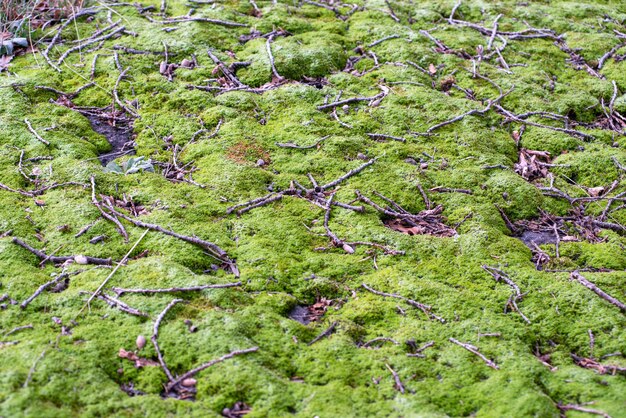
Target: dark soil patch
{"x": 311, "y": 313}
{"x": 119, "y": 135}
{"x": 537, "y": 237}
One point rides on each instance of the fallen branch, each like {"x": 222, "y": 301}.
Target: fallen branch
{"x": 398, "y": 383}
{"x": 17, "y": 329}
{"x": 79, "y": 259}
{"x": 212, "y": 248}
{"x": 34, "y": 132}
{"x": 155, "y": 334}
{"x": 324, "y": 333}
{"x": 173, "y": 383}
{"x": 580, "y": 279}
{"x": 573, "y": 407}
{"x": 475, "y": 351}
{"x": 44, "y": 286}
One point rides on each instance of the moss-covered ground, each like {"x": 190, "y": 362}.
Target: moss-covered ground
{"x": 67, "y": 364}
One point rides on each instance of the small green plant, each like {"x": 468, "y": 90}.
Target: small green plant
{"x": 131, "y": 166}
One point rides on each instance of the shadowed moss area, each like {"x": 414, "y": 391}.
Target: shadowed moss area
{"x": 238, "y": 129}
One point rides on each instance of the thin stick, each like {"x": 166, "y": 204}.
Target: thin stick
{"x": 379, "y": 339}
{"x": 32, "y": 131}
{"x": 111, "y": 274}
{"x": 572, "y": 407}
{"x": 580, "y": 279}
{"x": 474, "y": 350}
{"x": 17, "y": 329}
{"x": 32, "y": 369}
{"x": 115, "y": 303}
{"x": 424, "y": 308}
{"x": 155, "y": 334}
{"x": 396, "y": 378}
{"x": 271, "y": 57}
{"x": 120, "y": 291}
{"x": 43, "y": 287}
{"x": 62, "y": 259}
{"x": 192, "y": 372}
{"x": 325, "y": 333}
{"x": 349, "y": 174}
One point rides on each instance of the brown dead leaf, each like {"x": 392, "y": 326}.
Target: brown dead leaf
{"x": 595, "y": 191}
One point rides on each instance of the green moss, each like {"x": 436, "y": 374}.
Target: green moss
{"x": 277, "y": 246}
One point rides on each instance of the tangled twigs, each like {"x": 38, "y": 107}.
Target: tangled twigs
{"x": 91, "y": 41}
{"x": 230, "y": 79}
{"x": 575, "y": 275}
{"x": 106, "y": 215}
{"x": 424, "y": 308}
{"x": 79, "y": 259}
{"x": 212, "y": 248}
{"x": 418, "y": 351}
{"x": 475, "y": 351}
{"x": 324, "y": 333}
{"x": 428, "y": 221}
{"x": 83, "y": 12}
{"x": 530, "y": 33}
{"x": 120, "y": 291}
{"x": 348, "y": 246}
{"x": 314, "y": 195}
{"x": 517, "y": 295}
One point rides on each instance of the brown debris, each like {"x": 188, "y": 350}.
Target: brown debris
{"x": 532, "y": 164}
{"x": 239, "y": 409}
{"x": 139, "y": 361}
{"x": 588, "y": 363}
{"x": 429, "y": 221}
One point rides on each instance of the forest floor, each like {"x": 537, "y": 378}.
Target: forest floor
{"x": 310, "y": 208}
